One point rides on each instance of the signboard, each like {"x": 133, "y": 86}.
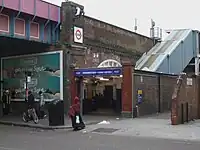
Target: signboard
{"x": 98, "y": 72}
{"x": 28, "y": 79}
{"x": 46, "y": 75}
{"x": 189, "y": 81}
{"x": 78, "y": 35}
{"x": 139, "y": 96}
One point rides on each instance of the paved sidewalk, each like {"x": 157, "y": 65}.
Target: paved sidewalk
{"x": 44, "y": 123}
{"x": 152, "y": 127}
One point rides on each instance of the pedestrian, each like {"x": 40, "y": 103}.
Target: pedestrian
{"x": 41, "y": 111}
{"x": 31, "y": 100}
{"x": 74, "y": 114}
{"x": 6, "y": 102}
{"x": 31, "y": 113}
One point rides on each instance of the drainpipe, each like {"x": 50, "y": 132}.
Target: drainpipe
{"x": 2, "y": 6}
{"x": 57, "y": 25}
{"x": 152, "y": 32}
{"x": 168, "y": 61}
{"x": 34, "y": 11}
{"x": 159, "y": 95}
{"x": 197, "y": 55}
{"x": 59, "y": 21}
{"x": 48, "y": 16}
{"x": 19, "y": 12}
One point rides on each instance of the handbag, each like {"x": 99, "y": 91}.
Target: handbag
{"x": 77, "y": 119}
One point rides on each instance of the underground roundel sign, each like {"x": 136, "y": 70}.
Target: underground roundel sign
{"x": 78, "y": 35}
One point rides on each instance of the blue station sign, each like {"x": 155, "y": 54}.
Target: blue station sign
{"x": 98, "y": 72}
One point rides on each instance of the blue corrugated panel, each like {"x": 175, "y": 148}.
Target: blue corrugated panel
{"x": 171, "y": 55}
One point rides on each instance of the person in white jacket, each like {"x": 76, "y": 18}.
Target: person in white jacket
{"x": 41, "y": 104}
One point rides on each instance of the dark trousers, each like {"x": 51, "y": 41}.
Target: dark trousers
{"x": 31, "y": 107}
{"x": 77, "y": 126}
{"x": 41, "y": 112}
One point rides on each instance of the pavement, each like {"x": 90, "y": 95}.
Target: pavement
{"x": 16, "y": 138}
{"x": 156, "y": 126}
{"x": 16, "y": 120}
{"x": 153, "y": 126}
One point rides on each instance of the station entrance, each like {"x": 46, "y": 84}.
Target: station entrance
{"x": 100, "y": 90}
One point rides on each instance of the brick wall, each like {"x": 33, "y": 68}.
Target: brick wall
{"x": 102, "y": 32}
{"x": 127, "y": 85}
{"x": 188, "y": 94}
{"x": 92, "y": 58}
{"x": 167, "y": 84}
{"x": 111, "y": 41}
{"x": 156, "y": 91}
{"x": 150, "y": 97}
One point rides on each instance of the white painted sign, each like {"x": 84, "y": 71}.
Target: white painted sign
{"x": 24, "y": 85}
{"x": 78, "y": 35}
{"x": 189, "y": 81}
{"x": 141, "y": 79}
{"x": 28, "y": 79}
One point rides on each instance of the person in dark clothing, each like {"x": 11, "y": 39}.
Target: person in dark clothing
{"x": 31, "y": 100}
{"x": 31, "y": 113}
{"x": 6, "y": 102}
{"x": 74, "y": 114}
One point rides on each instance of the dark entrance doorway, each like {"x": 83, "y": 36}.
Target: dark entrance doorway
{"x": 99, "y": 90}
{"x": 108, "y": 93}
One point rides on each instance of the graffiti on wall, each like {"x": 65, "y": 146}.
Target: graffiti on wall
{"x": 44, "y": 69}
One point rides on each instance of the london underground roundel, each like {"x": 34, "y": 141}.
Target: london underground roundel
{"x": 78, "y": 35}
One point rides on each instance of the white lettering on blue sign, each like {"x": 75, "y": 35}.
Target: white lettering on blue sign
{"x": 98, "y": 72}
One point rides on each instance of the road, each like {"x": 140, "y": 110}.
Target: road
{"x": 17, "y": 138}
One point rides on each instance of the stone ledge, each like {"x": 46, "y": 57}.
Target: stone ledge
{"x": 39, "y": 126}
{"x": 126, "y": 114}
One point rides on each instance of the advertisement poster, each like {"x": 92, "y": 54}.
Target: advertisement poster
{"x": 45, "y": 71}
{"x": 139, "y": 96}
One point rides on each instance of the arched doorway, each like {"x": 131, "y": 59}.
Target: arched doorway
{"x": 100, "y": 88}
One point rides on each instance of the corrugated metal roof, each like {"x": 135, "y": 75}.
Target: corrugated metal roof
{"x": 155, "y": 56}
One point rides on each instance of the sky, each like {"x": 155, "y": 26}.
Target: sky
{"x": 167, "y": 14}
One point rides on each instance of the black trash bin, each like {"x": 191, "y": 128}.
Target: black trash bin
{"x": 135, "y": 112}
{"x": 56, "y": 113}
{"x": 1, "y": 109}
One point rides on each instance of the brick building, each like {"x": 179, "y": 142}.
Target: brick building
{"x": 102, "y": 41}
{"x": 106, "y": 41}
{"x": 104, "y": 45}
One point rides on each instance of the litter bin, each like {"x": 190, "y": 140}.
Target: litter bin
{"x": 56, "y": 113}
{"x": 135, "y": 112}
{"x": 1, "y": 109}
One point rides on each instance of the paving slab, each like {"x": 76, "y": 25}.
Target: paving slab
{"x": 151, "y": 127}
{"x": 44, "y": 123}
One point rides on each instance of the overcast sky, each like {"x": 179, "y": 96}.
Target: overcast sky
{"x": 167, "y": 14}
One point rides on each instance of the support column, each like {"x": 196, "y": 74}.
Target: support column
{"x": 198, "y": 95}
{"x": 81, "y": 97}
{"x": 127, "y": 89}
{"x": 73, "y": 87}
{"x": 197, "y": 59}
{"x": 175, "y": 115}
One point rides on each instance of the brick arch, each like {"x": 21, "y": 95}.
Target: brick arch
{"x": 109, "y": 63}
